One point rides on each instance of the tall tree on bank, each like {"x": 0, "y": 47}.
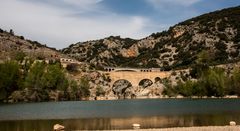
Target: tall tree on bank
{"x": 34, "y": 77}
{"x": 9, "y": 78}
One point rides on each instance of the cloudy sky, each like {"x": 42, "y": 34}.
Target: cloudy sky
{"x": 59, "y": 23}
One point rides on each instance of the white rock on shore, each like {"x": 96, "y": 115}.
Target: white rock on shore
{"x": 58, "y": 127}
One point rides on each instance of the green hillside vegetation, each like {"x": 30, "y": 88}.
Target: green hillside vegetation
{"x": 212, "y": 82}
{"x": 25, "y": 80}
{"x": 209, "y": 81}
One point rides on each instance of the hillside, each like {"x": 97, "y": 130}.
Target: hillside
{"x": 12, "y": 45}
{"x": 217, "y": 33}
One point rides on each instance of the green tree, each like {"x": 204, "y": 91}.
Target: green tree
{"x": 84, "y": 87}
{"x": 73, "y": 90}
{"x": 100, "y": 91}
{"x": 169, "y": 90}
{"x": 9, "y": 78}
{"x": 186, "y": 89}
{"x": 34, "y": 78}
{"x": 19, "y": 56}
{"x": 202, "y": 63}
{"x": 215, "y": 81}
{"x": 54, "y": 77}
{"x": 235, "y": 83}
{"x": 199, "y": 89}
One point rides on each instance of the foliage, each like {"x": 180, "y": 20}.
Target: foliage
{"x": 128, "y": 42}
{"x": 19, "y": 56}
{"x": 11, "y": 32}
{"x": 100, "y": 91}
{"x": 214, "y": 80}
{"x": 72, "y": 67}
{"x": 35, "y": 75}
{"x": 54, "y": 77}
{"x": 73, "y": 91}
{"x": 159, "y": 34}
{"x": 9, "y": 78}
{"x": 221, "y": 55}
{"x": 202, "y": 64}
{"x": 187, "y": 88}
{"x": 84, "y": 87}
{"x": 211, "y": 82}
{"x": 234, "y": 82}
{"x": 43, "y": 76}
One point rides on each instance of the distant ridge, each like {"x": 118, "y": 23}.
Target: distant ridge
{"x": 218, "y": 33}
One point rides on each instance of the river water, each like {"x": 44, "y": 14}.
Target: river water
{"x": 118, "y": 114}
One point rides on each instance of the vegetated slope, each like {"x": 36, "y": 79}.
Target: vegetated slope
{"x": 218, "y": 33}
{"x": 12, "y": 45}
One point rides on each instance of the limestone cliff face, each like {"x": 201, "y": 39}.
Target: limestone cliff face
{"x": 131, "y": 52}
{"x": 178, "y": 31}
{"x": 216, "y": 32}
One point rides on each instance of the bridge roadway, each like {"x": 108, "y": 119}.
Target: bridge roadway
{"x": 116, "y": 69}
{"x": 135, "y": 75}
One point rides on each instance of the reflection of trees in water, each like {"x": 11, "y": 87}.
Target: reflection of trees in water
{"x": 88, "y": 124}
{"x": 122, "y": 88}
{"x": 122, "y": 123}
{"x": 150, "y": 122}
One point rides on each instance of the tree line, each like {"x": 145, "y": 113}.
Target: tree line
{"x": 28, "y": 80}
{"x": 208, "y": 81}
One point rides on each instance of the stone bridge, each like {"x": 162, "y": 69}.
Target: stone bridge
{"x": 135, "y": 75}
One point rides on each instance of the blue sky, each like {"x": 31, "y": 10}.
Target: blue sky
{"x": 59, "y": 23}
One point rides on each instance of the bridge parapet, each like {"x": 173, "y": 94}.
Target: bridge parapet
{"x": 117, "y": 69}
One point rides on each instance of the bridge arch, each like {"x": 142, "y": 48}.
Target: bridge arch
{"x": 157, "y": 79}
{"x": 122, "y": 87}
{"x": 145, "y": 83}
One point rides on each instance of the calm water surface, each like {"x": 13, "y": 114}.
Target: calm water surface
{"x": 120, "y": 114}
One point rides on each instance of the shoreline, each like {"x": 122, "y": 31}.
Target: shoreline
{"x": 197, "y": 128}
{"x": 165, "y": 97}
{"x": 137, "y": 98}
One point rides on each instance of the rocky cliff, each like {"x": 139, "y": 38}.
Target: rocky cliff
{"x": 12, "y": 46}
{"x": 218, "y": 33}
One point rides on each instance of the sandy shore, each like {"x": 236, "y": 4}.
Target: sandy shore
{"x": 204, "y": 128}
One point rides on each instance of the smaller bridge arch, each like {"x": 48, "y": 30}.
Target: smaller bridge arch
{"x": 145, "y": 83}
{"x": 157, "y": 79}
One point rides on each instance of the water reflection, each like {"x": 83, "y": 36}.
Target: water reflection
{"x": 92, "y": 115}
{"x": 120, "y": 123}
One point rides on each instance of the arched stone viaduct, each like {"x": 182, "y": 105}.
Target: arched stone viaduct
{"x": 135, "y": 75}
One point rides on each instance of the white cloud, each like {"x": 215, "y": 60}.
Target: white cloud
{"x": 161, "y": 3}
{"x": 81, "y": 3}
{"x": 84, "y": 5}
{"x": 52, "y": 25}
